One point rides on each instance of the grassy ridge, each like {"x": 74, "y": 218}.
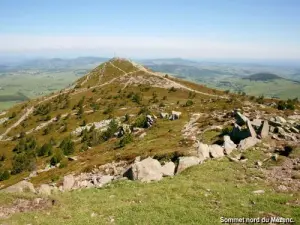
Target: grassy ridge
{"x": 200, "y": 195}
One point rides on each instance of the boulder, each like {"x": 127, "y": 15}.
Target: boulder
{"x": 229, "y": 145}
{"x": 216, "y": 151}
{"x": 146, "y": 170}
{"x": 186, "y": 162}
{"x": 247, "y": 143}
{"x": 203, "y": 151}
{"x": 295, "y": 130}
{"x": 168, "y": 169}
{"x": 23, "y": 186}
{"x": 45, "y": 189}
{"x": 68, "y": 182}
{"x": 105, "y": 180}
{"x": 264, "y": 129}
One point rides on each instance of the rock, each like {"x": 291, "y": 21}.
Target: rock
{"x": 186, "y": 162}
{"x": 251, "y": 129}
{"x": 258, "y": 192}
{"x": 146, "y": 170}
{"x": 164, "y": 115}
{"x": 175, "y": 115}
{"x": 23, "y": 186}
{"x": 240, "y": 118}
{"x": 264, "y": 129}
{"x": 247, "y": 143}
{"x": 72, "y": 158}
{"x": 256, "y": 123}
{"x": 105, "y": 180}
{"x": 229, "y": 145}
{"x": 45, "y": 189}
{"x": 280, "y": 119}
{"x": 68, "y": 182}
{"x": 203, "y": 151}
{"x": 294, "y": 130}
{"x": 168, "y": 169}
{"x": 274, "y": 157}
{"x": 258, "y": 163}
{"x": 294, "y": 117}
{"x": 216, "y": 151}
{"x": 142, "y": 135}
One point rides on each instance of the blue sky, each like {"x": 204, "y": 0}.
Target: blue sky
{"x": 165, "y": 28}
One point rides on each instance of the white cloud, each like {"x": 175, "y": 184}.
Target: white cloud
{"x": 148, "y": 46}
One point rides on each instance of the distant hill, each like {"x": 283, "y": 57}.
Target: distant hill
{"x": 263, "y": 77}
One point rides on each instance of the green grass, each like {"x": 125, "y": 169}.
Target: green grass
{"x": 200, "y": 195}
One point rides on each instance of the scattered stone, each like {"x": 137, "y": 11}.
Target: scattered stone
{"x": 229, "y": 145}
{"x": 68, "y": 182}
{"x": 256, "y": 123}
{"x": 186, "y": 162}
{"x": 258, "y": 163}
{"x": 216, "y": 151}
{"x": 105, "y": 180}
{"x": 280, "y": 119}
{"x": 251, "y": 130}
{"x": 23, "y": 186}
{"x": 258, "y": 192}
{"x": 168, "y": 169}
{"x": 72, "y": 158}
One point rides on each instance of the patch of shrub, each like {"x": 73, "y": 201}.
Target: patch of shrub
{"x": 45, "y": 150}
{"x": 57, "y": 157}
{"x": 140, "y": 121}
{"x": 189, "y": 103}
{"x": 67, "y": 146}
{"x": 4, "y": 175}
{"x": 23, "y": 162}
{"x": 126, "y": 139}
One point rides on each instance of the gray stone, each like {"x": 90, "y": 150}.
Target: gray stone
{"x": 256, "y": 123}
{"x": 68, "y": 182}
{"x": 203, "y": 151}
{"x": 186, "y": 162}
{"x": 247, "y": 143}
{"x": 168, "y": 169}
{"x": 105, "y": 180}
{"x": 258, "y": 192}
{"x": 23, "y": 186}
{"x": 45, "y": 189}
{"x": 264, "y": 129}
{"x": 229, "y": 145}
{"x": 216, "y": 151}
{"x": 251, "y": 129}
{"x": 146, "y": 170}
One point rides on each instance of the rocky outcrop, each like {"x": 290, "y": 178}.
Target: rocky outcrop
{"x": 240, "y": 118}
{"x": 186, "y": 162}
{"x": 164, "y": 115}
{"x": 23, "y": 186}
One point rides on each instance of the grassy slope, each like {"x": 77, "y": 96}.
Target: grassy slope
{"x": 200, "y": 195}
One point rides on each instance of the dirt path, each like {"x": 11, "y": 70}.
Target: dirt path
{"x": 176, "y": 85}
